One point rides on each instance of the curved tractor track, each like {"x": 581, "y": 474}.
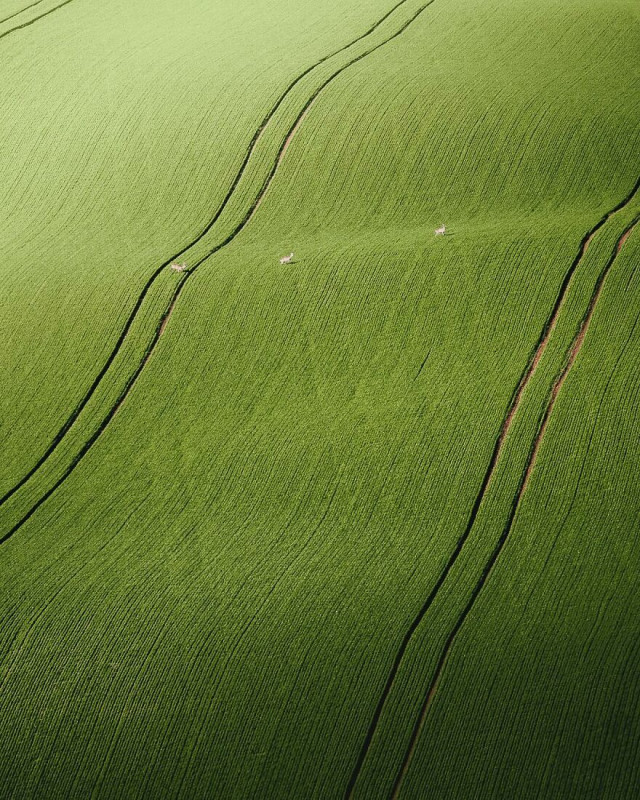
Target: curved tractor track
{"x": 145, "y": 289}
{"x": 187, "y": 273}
{"x": 514, "y": 404}
{"x": 31, "y": 21}
{"x": 20, "y": 11}
{"x": 574, "y": 350}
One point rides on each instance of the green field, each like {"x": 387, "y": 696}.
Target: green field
{"x": 365, "y": 525}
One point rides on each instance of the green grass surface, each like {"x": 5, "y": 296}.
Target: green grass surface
{"x": 304, "y": 537}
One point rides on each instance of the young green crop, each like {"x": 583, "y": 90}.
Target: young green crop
{"x": 124, "y": 123}
{"x": 211, "y": 602}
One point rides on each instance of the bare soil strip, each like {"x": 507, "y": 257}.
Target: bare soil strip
{"x": 574, "y": 350}
{"x": 514, "y": 404}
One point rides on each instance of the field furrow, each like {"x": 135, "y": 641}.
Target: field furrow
{"x": 571, "y": 350}
{"x": 358, "y": 523}
{"x": 19, "y": 24}
{"x": 152, "y": 294}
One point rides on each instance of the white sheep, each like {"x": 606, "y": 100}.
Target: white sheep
{"x": 287, "y": 259}
{"x": 440, "y": 231}
{"x": 178, "y": 267}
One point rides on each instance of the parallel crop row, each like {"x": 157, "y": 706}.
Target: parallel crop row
{"x": 225, "y": 595}
{"x": 122, "y": 368}
{"x": 561, "y": 338}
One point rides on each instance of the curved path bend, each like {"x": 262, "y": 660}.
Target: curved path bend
{"x": 184, "y": 276}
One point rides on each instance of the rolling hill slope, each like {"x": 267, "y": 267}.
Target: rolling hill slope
{"x": 156, "y": 105}
{"x": 363, "y": 525}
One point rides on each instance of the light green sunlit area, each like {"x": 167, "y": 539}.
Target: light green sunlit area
{"x": 320, "y": 400}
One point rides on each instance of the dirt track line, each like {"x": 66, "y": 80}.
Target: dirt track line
{"x": 514, "y": 404}
{"x": 100, "y": 429}
{"x": 576, "y": 346}
{"x": 292, "y": 133}
{"x": 35, "y": 19}
{"x": 21, "y": 11}
{"x": 574, "y": 350}
{"x": 187, "y": 274}
{"x": 145, "y": 289}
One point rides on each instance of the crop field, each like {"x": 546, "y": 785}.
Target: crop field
{"x": 359, "y": 524}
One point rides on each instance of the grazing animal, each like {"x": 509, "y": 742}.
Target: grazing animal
{"x": 287, "y": 259}
{"x": 440, "y": 231}
{"x": 179, "y": 267}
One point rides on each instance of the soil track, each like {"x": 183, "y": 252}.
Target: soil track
{"x": 31, "y": 21}
{"x": 187, "y": 274}
{"x": 574, "y": 350}
{"x": 514, "y": 404}
{"x": 20, "y": 11}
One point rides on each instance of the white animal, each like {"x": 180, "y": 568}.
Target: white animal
{"x": 440, "y": 231}
{"x": 179, "y": 267}
{"x": 287, "y": 259}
